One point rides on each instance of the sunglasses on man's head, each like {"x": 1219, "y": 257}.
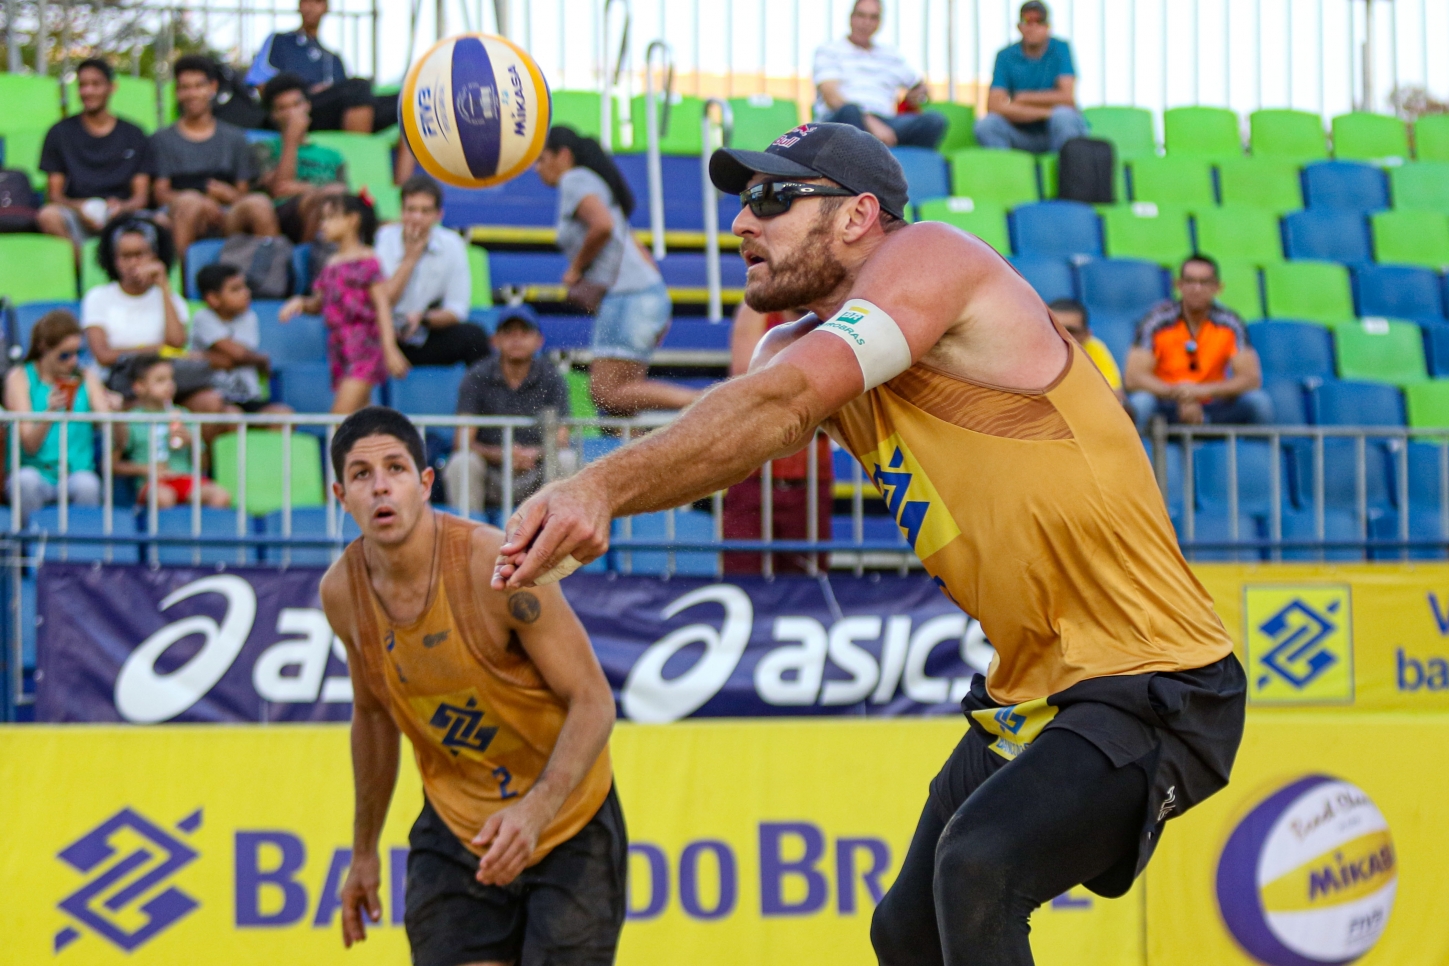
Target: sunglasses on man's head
{"x": 775, "y": 197}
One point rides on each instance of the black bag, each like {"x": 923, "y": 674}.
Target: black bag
{"x": 17, "y": 202}
{"x": 266, "y": 262}
{"x": 1085, "y": 171}
{"x": 236, "y": 103}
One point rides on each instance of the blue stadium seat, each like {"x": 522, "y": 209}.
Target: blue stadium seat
{"x": 304, "y": 339}
{"x": 301, "y": 268}
{"x": 83, "y": 521}
{"x": 926, "y": 174}
{"x": 1213, "y": 525}
{"x": 526, "y": 268}
{"x": 1425, "y": 479}
{"x": 1347, "y": 185}
{"x": 566, "y": 331}
{"x": 30, "y": 313}
{"x": 1424, "y": 524}
{"x": 1254, "y": 472}
{"x": 1051, "y": 277}
{"x": 1398, "y": 292}
{"x": 523, "y": 201}
{"x": 697, "y": 334}
{"x": 1340, "y": 487}
{"x": 200, "y": 254}
{"x": 874, "y": 529}
{"x": 1056, "y": 228}
{"x": 1330, "y": 235}
{"x": 427, "y": 391}
{"x": 1349, "y": 403}
{"x": 689, "y": 525}
{"x": 1436, "y": 350}
{"x": 680, "y": 177}
{"x": 310, "y": 523}
{"x": 1122, "y": 283}
{"x": 214, "y": 523}
{"x": 597, "y": 447}
{"x": 1293, "y": 350}
{"x": 688, "y": 270}
{"x": 1289, "y": 406}
{"x": 306, "y": 387}
{"x": 1339, "y": 525}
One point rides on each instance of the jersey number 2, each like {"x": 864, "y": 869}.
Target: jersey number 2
{"x": 504, "y": 776}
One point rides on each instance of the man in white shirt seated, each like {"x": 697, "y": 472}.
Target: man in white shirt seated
{"x": 858, "y": 82}
{"x": 429, "y": 283}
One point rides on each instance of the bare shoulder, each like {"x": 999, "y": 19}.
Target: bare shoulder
{"x": 927, "y": 242}
{"x": 335, "y": 592}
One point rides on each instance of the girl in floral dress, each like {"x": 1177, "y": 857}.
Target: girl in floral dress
{"x": 349, "y": 293}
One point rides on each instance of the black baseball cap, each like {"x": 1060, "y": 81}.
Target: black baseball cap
{"x": 850, "y": 157}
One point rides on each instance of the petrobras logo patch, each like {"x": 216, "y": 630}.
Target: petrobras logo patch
{"x": 128, "y": 896}
{"x": 1309, "y": 875}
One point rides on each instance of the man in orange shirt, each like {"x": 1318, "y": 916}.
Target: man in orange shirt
{"x": 1191, "y": 361}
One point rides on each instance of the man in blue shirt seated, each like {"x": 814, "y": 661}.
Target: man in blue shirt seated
{"x": 1033, "y": 104}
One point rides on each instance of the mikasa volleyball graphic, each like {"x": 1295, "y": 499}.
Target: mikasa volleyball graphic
{"x": 1308, "y": 876}
{"x": 476, "y": 110}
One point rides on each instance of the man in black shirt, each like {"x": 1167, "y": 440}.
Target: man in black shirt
{"x": 511, "y": 382}
{"x": 99, "y": 166}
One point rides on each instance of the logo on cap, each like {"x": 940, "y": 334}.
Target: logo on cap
{"x": 792, "y": 137}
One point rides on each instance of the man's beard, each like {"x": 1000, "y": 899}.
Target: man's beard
{"x": 811, "y": 273}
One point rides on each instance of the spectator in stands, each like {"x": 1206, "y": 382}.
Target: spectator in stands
{"x": 154, "y": 388}
{"x": 97, "y": 165}
{"x": 339, "y": 102}
{"x": 513, "y": 382}
{"x": 429, "y": 282}
{"x": 1073, "y": 317}
{"x": 228, "y": 334}
{"x": 859, "y": 82}
{"x": 204, "y": 167}
{"x": 51, "y": 380}
{"x": 609, "y": 274}
{"x": 1033, "y": 101}
{"x": 297, "y": 174}
{"x": 1191, "y": 362}
{"x": 789, "y": 476}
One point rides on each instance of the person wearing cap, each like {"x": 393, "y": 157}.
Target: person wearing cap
{"x": 511, "y": 382}
{"x": 1113, "y": 702}
{"x": 1032, "y": 105}
{"x": 859, "y": 82}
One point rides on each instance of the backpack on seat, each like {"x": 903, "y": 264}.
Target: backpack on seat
{"x": 1084, "y": 172}
{"x": 17, "y": 202}
{"x": 266, "y": 262}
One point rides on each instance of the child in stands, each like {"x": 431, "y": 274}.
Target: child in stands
{"x": 350, "y": 294}
{"x": 228, "y": 334}
{"x": 154, "y": 386}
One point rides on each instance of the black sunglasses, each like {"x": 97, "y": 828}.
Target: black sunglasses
{"x": 775, "y": 197}
{"x": 66, "y": 356}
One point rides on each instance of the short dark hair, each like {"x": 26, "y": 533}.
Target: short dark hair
{"x": 95, "y": 63}
{"x": 140, "y": 366}
{"x": 359, "y": 206}
{"x": 197, "y": 64}
{"x": 421, "y": 184}
{"x": 1207, "y": 260}
{"x": 1070, "y": 305}
{"x": 281, "y": 84}
{"x": 376, "y": 421}
{"x": 1034, "y": 6}
{"x": 213, "y": 277}
{"x": 131, "y": 223}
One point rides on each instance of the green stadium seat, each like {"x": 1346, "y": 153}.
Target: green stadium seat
{"x": 1308, "y": 290}
{"x": 1173, "y": 180}
{"x": 1422, "y": 185}
{"x": 1240, "y": 232}
{"x": 581, "y": 403}
{"x": 961, "y": 129}
{"x": 369, "y": 165}
{"x": 1128, "y": 128}
{"x": 1145, "y": 231}
{"x": 1241, "y": 289}
{"x": 1379, "y": 350}
{"x": 36, "y": 268}
{"x": 482, "y": 282}
{"x": 1411, "y": 238}
{"x": 1005, "y": 177}
{"x": 984, "y": 219}
{"x": 1431, "y": 137}
{"x": 1290, "y": 135}
{"x": 578, "y": 110}
{"x": 91, "y": 273}
{"x": 32, "y": 102}
{"x": 22, "y": 150}
{"x": 1428, "y": 404}
{"x": 1204, "y": 132}
{"x": 1361, "y": 136}
{"x": 264, "y": 469}
{"x": 759, "y": 119}
{"x": 683, "y": 135}
{"x": 1267, "y": 183}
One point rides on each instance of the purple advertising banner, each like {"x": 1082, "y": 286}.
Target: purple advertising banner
{"x": 132, "y": 644}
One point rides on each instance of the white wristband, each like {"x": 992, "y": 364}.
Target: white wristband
{"x": 879, "y": 346}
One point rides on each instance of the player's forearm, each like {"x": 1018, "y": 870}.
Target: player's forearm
{"x": 584, "y": 734}
{"x": 375, "y": 741}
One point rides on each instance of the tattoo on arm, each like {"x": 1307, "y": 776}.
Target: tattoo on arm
{"x": 524, "y": 607}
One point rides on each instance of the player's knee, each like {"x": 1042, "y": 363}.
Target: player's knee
{"x": 973, "y": 870}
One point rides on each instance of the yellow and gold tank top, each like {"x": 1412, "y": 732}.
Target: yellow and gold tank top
{"x": 1038, "y": 514}
{"x": 480, "y": 717}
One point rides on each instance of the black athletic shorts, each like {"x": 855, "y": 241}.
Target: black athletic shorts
{"x": 565, "y": 911}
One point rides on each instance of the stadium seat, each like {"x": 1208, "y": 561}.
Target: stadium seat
{"x": 22, "y": 150}
{"x": 304, "y": 339}
{"x": 481, "y": 278}
{"x": 1293, "y": 350}
{"x": 986, "y": 220}
{"x": 1144, "y": 230}
{"x": 1347, "y": 185}
{"x": 1268, "y": 183}
{"x": 579, "y": 110}
{"x": 960, "y": 126}
{"x": 1428, "y": 405}
{"x": 1436, "y": 350}
{"x": 1212, "y": 525}
{"x": 758, "y": 120}
{"x": 1005, "y": 177}
{"x": 1411, "y": 238}
{"x": 306, "y": 387}
{"x": 1340, "y": 525}
{"x": 1205, "y": 132}
{"x": 1049, "y": 163}
{"x": 36, "y": 268}
{"x": 1421, "y": 186}
{"x": 1377, "y": 350}
{"x": 32, "y": 103}
{"x": 1356, "y": 404}
{"x": 1431, "y": 137}
{"x": 1173, "y": 180}
{"x": 1051, "y": 277}
{"x": 1426, "y": 479}
{"x": 214, "y": 523}
{"x": 680, "y": 134}
{"x": 1424, "y": 525}
{"x": 1242, "y": 287}
{"x": 1290, "y": 408}
{"x": 1290, "y": 135}
{"x": 1316, "y": 291}
{"x": 925, "y": 172}
{"x": 1327, "y": 234}
{"x": 1128, "y": 128}
{"x": 1059, "y": 228}
{"x": 1398, "y": 292}
{"x": 307, "y": 523}
{"x": 202, "y": 253}
{"x": 427, "y": 391}
{"x": 1212, "y": 477}
{"x": 264, "y": 463}
{"x": 1361, "y": 136}
{"x": 28, "y": 314}
{"x": 1247, "y": 234}
{"x": 92, "y": 274}
{"x": 83, "y": 521}
{"x": 1118, "y": 293}
{"x": 369, "y": 165}
{"x": 523, "y": 202}
{"x": 689, "y": 525}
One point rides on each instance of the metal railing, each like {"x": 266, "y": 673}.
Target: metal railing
{"x": 710, "y": 196}
{"x": 656, "y": 125}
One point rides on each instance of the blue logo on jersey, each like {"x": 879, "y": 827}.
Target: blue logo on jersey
{"x": 463, "y": 727}
{"x": 894, "y": 482}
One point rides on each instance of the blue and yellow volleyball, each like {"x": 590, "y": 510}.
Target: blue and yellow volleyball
{"x": 475, "y": 110}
